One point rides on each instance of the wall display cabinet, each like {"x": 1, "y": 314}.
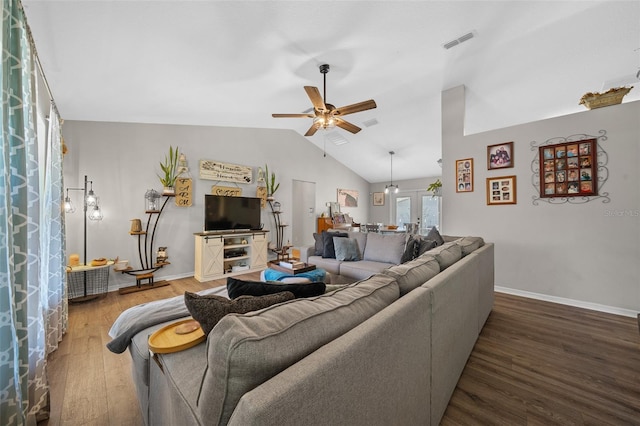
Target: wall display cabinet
{"x": 219, "y": 255}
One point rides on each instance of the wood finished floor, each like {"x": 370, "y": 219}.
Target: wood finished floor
{"x": 535, "y": 363}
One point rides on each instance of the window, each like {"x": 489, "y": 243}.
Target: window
{"x": 403, "y": 211}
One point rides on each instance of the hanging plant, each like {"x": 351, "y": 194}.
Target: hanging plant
{"x": 270, "y": 182}
{"x": 435, "y": 188}
{"x": 170, "y": 169}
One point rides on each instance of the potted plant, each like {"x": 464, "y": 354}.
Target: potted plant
{"x": 435, "y": 188}
{"x": 270, "y": 182}
{"x": 170, "y": 170}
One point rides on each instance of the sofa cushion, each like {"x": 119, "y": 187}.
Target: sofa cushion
{"x": 361, "y": 238}
{"x": 362, "y": 269}
{"x": 413, "y": 274}
{"x": 332, "y": 266}
{"x": 208, "y": 310}
{"x": 387, "y": 248}
{"x": 327, "y": 242}
{"x": 446, "y": 254}
{"x": 236, "y": 288}
{"x": 346, "y": 249}
{"x": 469, "y": 244}
{"x": 247, "y": 350}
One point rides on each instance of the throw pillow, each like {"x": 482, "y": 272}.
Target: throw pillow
{"x": 410, "y": 249}
{"x": 237, "y": 288}
{"x": 346, "y": 249}
{"x": 319, "y": 247}
{"x": 435, "y": 236}
{"x": 327, "y": 241}
{"x": 423, "y": 246}
{"x": 209, "y": 309}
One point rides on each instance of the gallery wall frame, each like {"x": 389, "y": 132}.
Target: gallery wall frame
{"x": 464, "y": 175}
{"x": 378, "y": 198}
{"x": 599, "y": 178}
{"x": 501, "y": 190}
{"x": 500, "y": 156}
{"x": 569, "y": 169}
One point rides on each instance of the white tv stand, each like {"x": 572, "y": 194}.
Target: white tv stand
{"x": 225, "y": 254}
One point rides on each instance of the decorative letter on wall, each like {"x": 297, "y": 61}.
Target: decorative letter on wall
{"x": 184, "y": 192}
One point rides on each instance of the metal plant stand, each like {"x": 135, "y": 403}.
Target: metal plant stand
{"x": 145, "y": 254}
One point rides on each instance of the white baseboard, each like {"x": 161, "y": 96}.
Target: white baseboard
{"x": 571, "y": 302}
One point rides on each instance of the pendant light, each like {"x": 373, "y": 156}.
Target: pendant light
{"x": 391, "y": 187}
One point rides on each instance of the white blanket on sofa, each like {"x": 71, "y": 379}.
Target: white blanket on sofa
{"x": 139, "y": 317}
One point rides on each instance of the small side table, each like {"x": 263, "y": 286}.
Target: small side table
{"x": 85, "y": 282}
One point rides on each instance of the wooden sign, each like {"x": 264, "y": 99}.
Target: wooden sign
{"x": 184, "y": 192}
{"x": 261, "y": 192}
{"x": 216, "y": 170}
{"x": 228, "y": 191}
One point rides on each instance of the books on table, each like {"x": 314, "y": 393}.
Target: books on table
{"x": 292, "y": 264}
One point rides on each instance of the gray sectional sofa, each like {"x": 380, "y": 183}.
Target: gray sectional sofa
{"x": 388, "y": 349}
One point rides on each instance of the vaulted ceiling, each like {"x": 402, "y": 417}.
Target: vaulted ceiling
{"x": 234, "y": 63}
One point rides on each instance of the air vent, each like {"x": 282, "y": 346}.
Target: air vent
{"x": 336, "y": 138}
{"x": 369, "y": 123}
{"x": 461, "y": 39}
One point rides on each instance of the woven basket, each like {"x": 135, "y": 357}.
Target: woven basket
{"x": 610, "y": 97}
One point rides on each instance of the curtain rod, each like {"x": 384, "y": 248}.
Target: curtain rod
{"x": 36, "y": 59}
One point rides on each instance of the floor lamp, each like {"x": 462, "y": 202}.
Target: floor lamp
{"x": 90, "y": 200}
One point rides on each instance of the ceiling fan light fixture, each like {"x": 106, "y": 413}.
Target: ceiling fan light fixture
{"x": 324, "y": 122}
{"x": 325, "y": 115}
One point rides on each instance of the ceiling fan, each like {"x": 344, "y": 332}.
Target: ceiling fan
{"x": 326, "y": 115}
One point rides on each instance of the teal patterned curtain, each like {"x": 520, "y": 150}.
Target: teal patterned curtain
{"x": 32, "y": 302}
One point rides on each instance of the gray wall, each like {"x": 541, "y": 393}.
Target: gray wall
{"x": 581, "y": 254}
{"x": 123, "y": 159}
{"x": 383, "y": 214}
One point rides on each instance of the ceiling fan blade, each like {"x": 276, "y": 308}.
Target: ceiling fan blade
{"x": 312, "y": 130}
{"x": 316, "y": 98}
{"x": 360, "y": 106}
{"x": 292, "y": 115}
{"x": 346, "y": 125}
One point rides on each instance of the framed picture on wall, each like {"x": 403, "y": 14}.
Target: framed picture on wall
{"x": 378, "y": 198}
{"x": 501, "y": 190}
{"x": 569, "y": 169}
{"x": 348, "y": 197}
{"x": 464, "y": 175}
{"x": 500, "y": 156}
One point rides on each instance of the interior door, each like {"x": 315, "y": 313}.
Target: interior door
{"x": 303, "y": 219}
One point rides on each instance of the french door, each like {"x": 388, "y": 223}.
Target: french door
{"x": 418, "y": 207}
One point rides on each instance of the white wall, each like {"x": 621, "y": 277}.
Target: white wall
{"x": 123, "y": 159}
{"x": 581, "y": 254}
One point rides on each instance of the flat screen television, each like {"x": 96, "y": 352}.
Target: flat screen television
{"x": 222, "y": 213}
